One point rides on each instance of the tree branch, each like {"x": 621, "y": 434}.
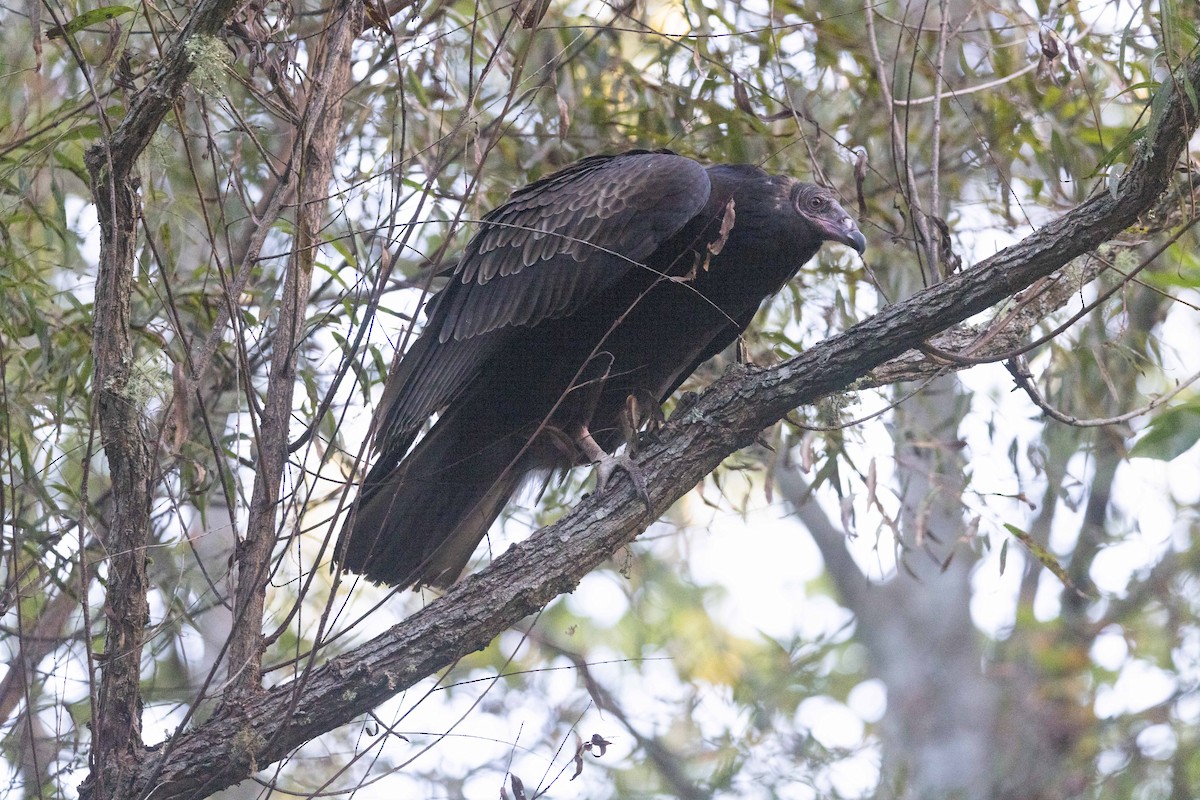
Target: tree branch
{"x": 116, "y": 726}
{"x": 117, "y": 718}
{"x": 317, "y": 150}
{"x": 849, "y": 580}
{"x": 150, "y": 106}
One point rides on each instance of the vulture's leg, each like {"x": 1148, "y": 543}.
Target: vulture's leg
{"x": 641, "y": 411}
{"x": 608, "y": 463}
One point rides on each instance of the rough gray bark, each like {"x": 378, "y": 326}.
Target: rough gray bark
{"x": 117, "y": 729}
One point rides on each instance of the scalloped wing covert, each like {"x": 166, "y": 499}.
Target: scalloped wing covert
{"x": 563, "y": 239}
{"x": 551, "y": 247}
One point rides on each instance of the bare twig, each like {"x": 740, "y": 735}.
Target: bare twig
{"x": 1019, "y": 369}
{"x": 899, "y": 143}
{"x": 939, "y": 83}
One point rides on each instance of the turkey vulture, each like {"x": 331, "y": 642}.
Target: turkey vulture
{"x": 611, "y": 279}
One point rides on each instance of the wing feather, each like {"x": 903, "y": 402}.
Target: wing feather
{"x": 577, "y": 230}
{"x": 554, "y": 245}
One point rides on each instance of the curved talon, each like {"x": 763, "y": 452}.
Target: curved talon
{"x": 606, "y": 466}
{"x": 608, "y": 463}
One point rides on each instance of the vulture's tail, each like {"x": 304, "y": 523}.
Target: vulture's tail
{"x": 419, "y": 522}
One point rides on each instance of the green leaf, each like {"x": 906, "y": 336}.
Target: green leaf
{"x": 1123, "y": 146}
{"x": 1170, "y": 434}
{"x": 1044, "y": 556}
{"x": 87, "y": 18}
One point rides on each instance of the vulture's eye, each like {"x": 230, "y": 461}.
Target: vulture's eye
{"x": 816, "y": 203}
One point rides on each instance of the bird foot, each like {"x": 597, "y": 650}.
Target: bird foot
{"x": 607, "y": 464}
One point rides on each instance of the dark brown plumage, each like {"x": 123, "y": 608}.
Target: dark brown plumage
{"x": 614, "y": 277}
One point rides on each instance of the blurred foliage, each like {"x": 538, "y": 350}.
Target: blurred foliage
{"x": 1033, "y": 107}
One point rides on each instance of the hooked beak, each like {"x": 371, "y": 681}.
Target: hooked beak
{"x": 847, "y": 232}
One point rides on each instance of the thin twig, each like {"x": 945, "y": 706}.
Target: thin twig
{"x": 1019, "y": 369}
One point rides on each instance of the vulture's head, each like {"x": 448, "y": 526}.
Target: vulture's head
{"x": 821, "y": 210}
{"x": 777, "y": 217}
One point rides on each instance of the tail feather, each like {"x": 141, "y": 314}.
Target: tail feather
{"x": 420, "y": 521}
